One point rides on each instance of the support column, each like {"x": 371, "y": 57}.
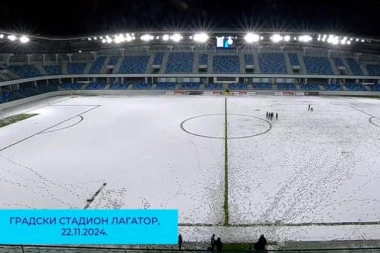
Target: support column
{"x": 43, "y": 59}
{"x": 94, "y": 54}
{"x": 122, "y": 50}
{"x": 7, "y": 59}
{"x": 69, "y": 55}
{"x": 56, "y": 59}
{"x": 357, "y": 55}
{"x": 147, "y": 49}
{"x": 170, "y": 49}
{"x": 28, "y": 58}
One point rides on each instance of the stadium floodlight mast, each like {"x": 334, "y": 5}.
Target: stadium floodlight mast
{"x": 251, "y": 37}
{"x": 200, "y": 37}
{"x": 176, "y": 37}
{"x": 24, "y": 39}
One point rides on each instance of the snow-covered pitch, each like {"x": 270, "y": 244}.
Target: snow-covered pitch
{"x": 306, "y": 176}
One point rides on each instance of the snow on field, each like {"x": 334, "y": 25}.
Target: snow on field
{"x": 307, "y": 167}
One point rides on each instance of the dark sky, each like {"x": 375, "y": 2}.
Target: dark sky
{"x": 91, "y": 17}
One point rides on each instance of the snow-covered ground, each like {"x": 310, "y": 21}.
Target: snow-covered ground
{"x": 306, "y": 167}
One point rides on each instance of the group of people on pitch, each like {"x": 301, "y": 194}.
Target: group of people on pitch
{"x": 270, "y": 115}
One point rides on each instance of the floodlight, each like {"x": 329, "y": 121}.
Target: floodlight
{"x": 362, "y": 40}
{"x": 343, "y": 42}
{"x": 251, "y": 37}
{"x": 165, "y": 37}
{"x": 109, "y": 40}
{"x": 352, "y": 39}
{"x": 305, "y": 38}
{"x": 286, "y": 37}
{"x": 324, "y": 39}
{"x": 157, "y": 37}
{"x": 95, "y": 38}
{"x": 200, "y": 37}
{"x": 12, "y": 37}
{"x": 357, "y": 39}
{"x": 24, "y": 39}
{"x": 349, "y": 42}
{"x": 89, "y": 38}
{"x": 147, "y": 37}
{"x": 295, "y": 38}
{"x": 1, "y": 36}
{"x": 176, "y": 37}
{"x": 276, "y": 38}
{"x": 80, "y": 51}
{"x": 104, "y": 40}
{"x": 101, "y": 37}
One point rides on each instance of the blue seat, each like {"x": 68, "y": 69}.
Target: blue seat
{"x": 272, "y": 63}
{"x": 25, "y": 71}
{"x": 338, "y": 62}
{"x": 76, "y": 68}
{"x": 310, "y": 87}
{"x": 97, "y": 66}
{"x": 214, "y": 86}
{"x": 53, "y": 70}
{"x": 4, "y": 97}
{"x": 158, "y": 57}
{"x": 286, "y": 86}
{"x": 180, "y": 62}
{"x": 44, "y": 88}
{"x": 248, "y": 59}
{"x": 237, "y": 86}
{"x": 142, "y": 86}
{"x": 28, "y": 92}
{"x": 71, "y": 86}
{"x": 375, "y": 87}
{"x": 333, "y": 87}
{"x": 190, "y": 86}
{"x": 166, "y": 86}
{"x": 96, "y": 86}
{"x": 134, "y": 65}
{"x": 354, "y": 66}
{"x": 293, "y": 57}
{"x": 373, "y": 69}
{"x": 203, "y": 59}
{"x": 226, "y": 64}
{"x": 119, "y": 86}
{"x": 318, "y": 65}
{"x": 355, "y": 87}
{"x": 113, "y": 60}
{"x": 262, "y": 86}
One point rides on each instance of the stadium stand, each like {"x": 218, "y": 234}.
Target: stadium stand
{"x": 318, "y": 65}
{"x": 286, "y": 86}
{"x": 25, "y": 71}
{"x": 354, "y": 67}
{"x": 373, "y": 69}
{"x": 28, "y": 92}
{"x": 166, "y": 86}
{"x": 293, "y": 57}
{"x": 309, "y": 87}
{"x": 214, "y": 86}
{"x": 113, "y": 60}
{"x": 272, "y": 63}
{"x": 53, "y": 70}
{"x": 4, "y": 97}
{"x": 180, "y": 62}
{"x": 47, "y": 88}
{"x": 119, "y": 86}
{"x": 375, "y": 87}
{"x": 262, "y": 86}
{"x": 355, "y": 87}
{"x": 333, "y": 87}
{"x": 203, "y": 59}
{"x": 76, "y": 68}
{"x": 71, "y": 86}
{"x": 238, "y": 86}
{"x": 134, "y": 64}
{"x": 158, "y": 58}
{"x": 227, "y": 64}
{"x": 142, "y": 86}
{"x": 190, "y": 86}
{"x": 248, "y": 59}
{"x": 97, "y": 66}
{"x": 338, "y": 62}
{"x": 96, "y": 86}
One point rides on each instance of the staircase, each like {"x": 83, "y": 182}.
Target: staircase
{"x": 103, "y": 69}
{"x": 348, "y": 70}
{"x": 118, "y": 65}
{"x": 164, "y": 63}
{"x": 87, "y": 68}
{"x": 64, "y": 68}
{"x": 196, "y": 62}
{"x": 210, "y": 63}
{"x": 12, "y": 75}
{"x": 242, "y": 63}
{"x": 334, "y": 67}
{"x": 302, "y": 64}
{"x": 150, "y": 63}
{"x": 256, "y": 62}
{"x": 289, "y": 67}
{"x": 41, "y": 69}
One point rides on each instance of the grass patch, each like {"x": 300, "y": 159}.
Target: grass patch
{"x": 15, "y": 118}
{"x": 225, "y": 205}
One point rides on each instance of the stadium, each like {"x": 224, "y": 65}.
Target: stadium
{"x": 151, "y": 120}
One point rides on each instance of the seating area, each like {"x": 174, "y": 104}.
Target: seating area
{"x": 203, "y": 59}
{"x": 354, "y": 67}
{"x": 76, "y": 68}
{"x": 166, "y": 86}
{"x": 158, "y": 57}
{"x": 355, "y": 87}
{"x": 190, "y": 86}
{"x": 310, "y": 87}
{"x": 238, "y": 86}
{"x": 97, "y": 66}
{"x": 375, "y": 87}
{"x": 373, "y": 69}
{"x": 333, "y": 87}
{"x": 214, "y": 86}
{"x": 248, "y": 59}
{"x": 28, "y": 92}
{"x": 338, "y": 62}
{"x": 47, "y": 88}
{"x": 180, "y": 62}
{"x": 293, "y": 57}
{"x": 226, "y": 64}
{"x": 118, "y": 86}
{"x": 25, "y": 71}
{"x": 96, "y": 86}
{"x": 262, "y": 86}
{"x": 286, "y": 86}
{"x": 53, "y": 70}
{"x": 71, "y": 86}
{"x": 142, "y": 86}
{"x": 134, "y": 65}
{"x": 113, "y": 60}
{"x": 272, "y": 63}
{"x": 4, "y": 97}
{"x": 318, "y": 65}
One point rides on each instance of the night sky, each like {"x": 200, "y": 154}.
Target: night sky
{"x": 95, "y": 17}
